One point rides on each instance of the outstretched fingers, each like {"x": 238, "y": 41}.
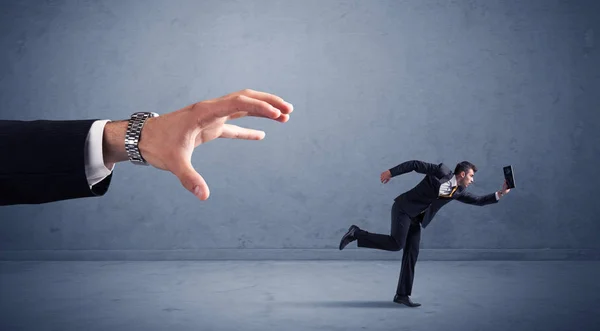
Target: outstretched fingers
{"x": 273, "y": 100}
{"x": 254, "y": 103}
{"x": 241, "y": 105}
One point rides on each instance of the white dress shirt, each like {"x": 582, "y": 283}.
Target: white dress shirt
{"x": 446, "y": 188}
{"x": 95, "y": 170}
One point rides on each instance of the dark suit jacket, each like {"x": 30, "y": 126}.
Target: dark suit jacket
{"x": 425, "y": 196}
{"x": 43, "y": 161}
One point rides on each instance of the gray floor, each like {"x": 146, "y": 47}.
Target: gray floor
{"x": 297, "y": 295}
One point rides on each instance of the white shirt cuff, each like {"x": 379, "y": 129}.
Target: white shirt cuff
{"x": 95, "y": 170}
{"x": 497, "y": 196}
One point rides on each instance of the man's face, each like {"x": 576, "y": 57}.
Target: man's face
{"x": 465, "y": 179}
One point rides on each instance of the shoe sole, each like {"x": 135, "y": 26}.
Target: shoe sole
{"x": 407, "y": 305}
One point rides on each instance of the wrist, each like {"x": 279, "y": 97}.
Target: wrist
{"x": 113, "y": 147}
{"x": 135, "y": 139}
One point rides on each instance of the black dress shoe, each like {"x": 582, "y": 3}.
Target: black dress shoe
{"x": 405, "y": 300}
{"x": 349, "y": 236}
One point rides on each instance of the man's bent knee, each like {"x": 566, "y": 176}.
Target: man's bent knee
{"x": 399, "y": 244}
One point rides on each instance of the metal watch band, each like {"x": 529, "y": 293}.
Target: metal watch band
{"x": 133, "y": 136}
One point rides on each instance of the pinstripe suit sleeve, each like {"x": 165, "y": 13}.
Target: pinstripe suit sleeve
{"x": 472, "y": 199}
{"x": 417, "y": 166}
{"x": 43, "y": 161}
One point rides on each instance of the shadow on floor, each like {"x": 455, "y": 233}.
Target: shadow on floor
{"x": 344, "y": 304}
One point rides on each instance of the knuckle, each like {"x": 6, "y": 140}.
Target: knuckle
{"x": 237, "y": 99}
{"x": 195, "y": 107}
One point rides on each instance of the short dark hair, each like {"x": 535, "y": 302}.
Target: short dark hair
{"x": 464, "y": 166}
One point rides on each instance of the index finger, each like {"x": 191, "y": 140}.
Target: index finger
{"x": 240, "y": 105}
{"x": 274, "y": 100}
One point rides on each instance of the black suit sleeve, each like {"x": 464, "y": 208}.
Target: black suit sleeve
{"x": 415, "y": 165}
{"x": 43, "y": 161}
{"x": 473, "y": 199}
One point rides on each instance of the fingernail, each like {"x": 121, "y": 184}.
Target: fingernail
{"x": 291, "y": 106}
{"x": 197, "y": 191}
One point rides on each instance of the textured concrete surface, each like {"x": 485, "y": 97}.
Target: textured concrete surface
{"x": 300, "y": 295}
{"x": 374, "y": 83}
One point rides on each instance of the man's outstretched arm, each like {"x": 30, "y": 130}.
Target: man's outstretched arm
{"x": 477, "y": 200}
{"x": 409, "y": 166}
{"x": 473, "y": 199}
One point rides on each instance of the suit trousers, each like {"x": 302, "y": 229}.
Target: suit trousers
{"x": 405, "y": 234}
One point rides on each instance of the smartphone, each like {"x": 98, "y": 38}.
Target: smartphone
{"x": 509, "y": 175}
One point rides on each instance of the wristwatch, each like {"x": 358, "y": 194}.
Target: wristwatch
{"x": 134, "y": 134}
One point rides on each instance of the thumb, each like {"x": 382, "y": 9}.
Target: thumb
{"x": 191, "y": 180}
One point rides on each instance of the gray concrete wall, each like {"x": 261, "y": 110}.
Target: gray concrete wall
{"x": 374, "y": 83}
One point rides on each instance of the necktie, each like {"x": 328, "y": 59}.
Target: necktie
{"x": 453, "y": 190}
